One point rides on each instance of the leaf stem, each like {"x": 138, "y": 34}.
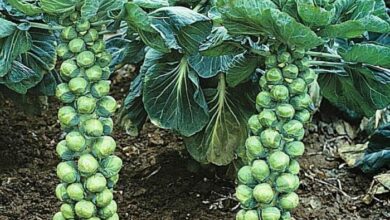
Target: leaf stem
{"x": 319, "y": 71}
{"x": 45, "y": 26}
{"x": 200, "y": 5}
{"x": 324, "y": 55}
{"x": 325, "y": 63}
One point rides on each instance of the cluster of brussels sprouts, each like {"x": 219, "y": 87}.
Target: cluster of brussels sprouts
{"x": 88, "y": 170}
{"x": 267, "y": 184}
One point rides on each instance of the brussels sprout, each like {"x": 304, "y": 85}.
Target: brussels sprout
{"x": 278, "y": 161}
{"x": 274, "y": 76}
{"x": 303, "y": 116}
{"x": 289, "y": 201}
{"x": 284, "y": 57}
{"x": 86, "y": 105}
{"x": 96, "y": 183}
{"x": 93, "y": 127}
{"x": 112, "y": 181}
{"x": 94, "y": 73}
{"x": 58, "y": 216}
{"x": 302, "y": 64}
{"x": 270, "y": 213}
{"x": 87, "y": 165}
{"x": 111, "y": 166}
{"x": 106, "y": 106}
{"x": 286, "y": 216}
{"x": 113, "y": 217}
{"x": 95, "y": 218}
{"x": 244, "y": 176}
{"x": 104, "y": 59}
{"x": 254, "y": 147}
{"x": 294, "y": 167}
{"x": 69, "y": 69}
{"x": 104, "y": 198}
{"x": 297, "y": 86}
{"x": 85, "y": 59}
{"x": 294, "y": 129}
{"x": 109, "y": 210}
{"x": 270, "y": 138}
{"x": 98, "y": 47}
{"x": 108, "y": 125}
{"x": 264, "y": 100}
{"x": 63, "y": 151}
{"x": 104, "y": 146}
{"x": 263, "y": 83}
{"x": 287, "y": 183}
{"x": 290, "y": 71}
{"x": 252, "y": 215}
{"x": 267, "y": 118}
{"x": 254, "y": 124}
{"x": 280, "y": 93}
{"x": 64, "y": 94}
{"x": 106, "y": 73}
{"x": 91, "y": 36}
{"x": 301, "y": 102}
{"x": 78, "y": 85}
{"x": 260, "y": 170}
{"x": 76, "y": 45}
{"x": 309, "y": 75}
{"x": 244, "y": 194}
{"x": 63, "y": 51}
{"x": 263, "y": 193}
{"x": 83, "y": 25}
{"x": 61, "y": 193}
{"x": 271, "y": 61}
{"x": 75, "y": 191}
{"x": 74, "y": 16}
{"x": 68, "y": 116}
{"x": 295, "y": 148}
{"x": 85, "y": 209}
{"x": 68, "y": 33}
{"x": 67, "y": 211}
{"x": 100, "y": 88}
{"x": 285, "y": 111}
{"x": 298, "y": 53}
{"x": 240, "y": 215}
{"x": 75, "y": 141}
{"x": 67, "y": 172}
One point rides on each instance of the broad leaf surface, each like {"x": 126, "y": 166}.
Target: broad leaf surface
{"x": 368, "y": 53}
{"x": 207, "y": 67}
{"x": 27, "y": 8}
{"x": 152, "y": 4}
{"x": 58, "y": 7}
{"x": 241, "y": 68}
{"x": 6, "y": 28}
{"x": 219, "y": 43}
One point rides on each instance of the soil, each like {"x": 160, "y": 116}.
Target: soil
{"x": 156, "y": 181}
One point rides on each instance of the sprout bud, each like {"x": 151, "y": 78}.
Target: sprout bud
{"x": 93, "y": 127}
{"x": 85, "y": 209}
{"x": 69, "y": 69}
{"x": 112, "y": 181}
{"x": 295, "y": 148}
{"x": 260, "y": 170}
{"x": 75, "y": 141}
{"x": 67, "y": 172}
{"x": 108, "y": 125}
{"x": 254, "y": 124}
{"x": 75, "y": 191}
{"x": 109, "y": 210}
{"x": 94, "y": 73}
{"x": 68, "y": 33}
{"x": 91, "y": 36}
{"x": 298, "y": 53}
{"x": 294, "y": 167}
{"x": 270, "y": 138}
{"x": 63, "y": 151}
{"x": 252, "y": 215}
{"x": 274, "y": 76}
{"x": 96, "y": 183}
{"x": 244, "y": 176}
{"x": 63, "y": 51}
{"x": 263, "y": 193}
{"x": 67, "y": 211}
{"x": 270, "y": 213}
{"x": 264, "y": 100}
{"x": 290, "y": 71}
{"x": 87, "y": 165}
{"x": 297, "y": 86}
{"x": 104, "y": 198}
{"x": 78, "y": 85}
{"x": 104, "y": 59}
{"x": 284, "y": 57}
{"x": 285, "y": 111}
{"x": 100, "y": 88}
{"x": 303, "y": 116}
{"x": 286, "y": 216}
{"x": 254, "y": 147}
{"x": 263, "y": 83}
{"x": 278, "y": 161}
{"x": 104, "y": 146}
{"x": 267, "y": 118}
{"x": 240, "y": 215}
{"x": 301, "y": 102}
{"x": 68, "y": 116}
{"x": 64, "y": 94}
{"x": 287, "y": 183}
{"x": 106, "y": 106}
{"x": 294, "y": 129}
{"x": 86, "y": 105}
{"x": 98, "y": 47}
{"x": 271, "y": 61}
{"x": 83, "y": 25}
{"x": 111, "y": 166}
{"x": 58, "y": 216}
{"x": 244, "y": 194}
{"x": 113, "y": 217}
{"x": 309, "y": 75}
{"x": 289, "y": 201}
{"x": 85, "y": 59}
{"x": 76, "y": 45}
{"x": 280, "y": 93}
{"x": 61, "y": 193}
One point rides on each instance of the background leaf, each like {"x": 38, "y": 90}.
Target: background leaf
{"x": 58, "y": 7}
{"x": 368, "y": 53}
{"x": 241, "y": 68}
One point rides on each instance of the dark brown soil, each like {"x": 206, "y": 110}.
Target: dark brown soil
{"x": 156, "y": 182}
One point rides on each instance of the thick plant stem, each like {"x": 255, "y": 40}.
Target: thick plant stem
{"x": 324, "y": 55}
{"x": 268, "y": 181}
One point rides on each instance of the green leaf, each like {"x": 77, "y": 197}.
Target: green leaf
{"x": 90, "y": 8}
{"x": 43, "y": 51}
{"x": 368, "y": 53}
{"x": 241, "y": 68}
{"x": 151, "y": 4}
{"x": 125, "y": 51}
{"x": 313, "y": 15}
{"x": 58, "y": 7}
{"x": 219, "y": 43}
{"x": 207, "y": 67}
{"x": 172, "y": 95}
{"x": 25, "y": 7}
{"x": 6, "y": 28}
{"x": 348, "y": 29}
{"x": 21, "y": 78}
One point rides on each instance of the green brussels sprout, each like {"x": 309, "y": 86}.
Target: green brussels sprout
{"x": 104, "y": 59}
{"x": 83, "y": 25}
{"x": 309, "y": 75}
{"x": 75, "y": 141}
{"x": 93, "y": 127}
{"x": 267, "y": 118}
{"x": 106, "y": 106}
{"x": 244, "y": 176}
{"x": 240, "y": 215}
{"x": 100, "y": 88}
{"x": 287, "y": 183}
{"x": 68, "y": 116}
{"x": 109, "y": 210}
{"x": 113, "y": 217}
{"x": 270, "y": 138}
{"x": 98, "y": 47}
{"x": 112, "y": 181}
{"x": 85, "y": 209}
{"x": 303, "y": 64}
{"x": 64, "y": 94}
{"x": 111, "y": 166}
{"x": 263, "y": 193}
{"x": 297, "y": 86}
{"x": 104, "y": 146}
{"x": 96, "y": 183}
{"x": 278, "y": 161}
{"x": 106, "y": 73}
{"x": 104, "y": 198}
{"x": 263, "y": 83}
{"x": 85, "y": 59}
{"x": 67, "y": 211}
{"x": 285, "y": 111}
{"x": 94, "y": 73}
{"x": 303, "y": 116}
{"x": 254, "y": 147}
{"x": 284, "y": 57}
{"x": 280, "y": 93}
{"x": 78, "y": 85}
{"x": 252, "y": 215}
{"x": 264, "y": 100}
{"x": 290, "y": 71}
{"x": 75, "y": 191}
{"x": 61, "y": 193}
{"x": 294, "y": 167}
{"x": 286, "y": 216}
{"x": 67, "y": 172}
{"x": 58, "y": 216}
{"x": 289, "y": 201}
{"x": 301, "y": 102}
{"x": 270, "y": 213}
{"x": 294, "y": 129}
{"x": 63, "y": 151}
{"x": 74, "y": 16}
{"x": 295, "y": 148}
{"x": 63, "y": 51}
{"x": 254, "y": 124}
{"x": 244, "y": 194}
{"x": 298, "y": 53}
{"x": 91, "y": 36}
{"x": 86, "y": 104}
{"x": 108, "y": 125}
{"x": 76, "y": 45}
{"x": 94, "y": 218}
{"x": 274, "y": 76}
{"x": 87, "y": 165}
{"x": 69, "y": 69}
{"x": 86, "y": 117}
{"x": 68, "y": 33}
{"x": 260, "y": 170}
{"x": 271, "y": 61}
